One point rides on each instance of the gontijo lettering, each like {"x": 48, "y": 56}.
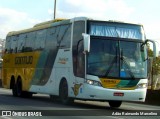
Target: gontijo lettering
{"x": 24, "y": 60}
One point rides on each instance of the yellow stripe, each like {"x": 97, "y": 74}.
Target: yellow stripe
{"x": 113, "y": 84}
{"x": 20, "y": 64}
{"x": 109, "y": 83}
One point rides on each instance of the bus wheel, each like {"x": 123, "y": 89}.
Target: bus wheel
{"x": 19, "y": 88}
{"x": 115, "y": 103}
{"x": 63, "y": 93}
{"x": 14, "y": 90}
{"x": 52, "y": 97}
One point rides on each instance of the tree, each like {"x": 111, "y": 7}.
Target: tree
{"x": 156, "y": 66}
{"x": 156, "y": 62}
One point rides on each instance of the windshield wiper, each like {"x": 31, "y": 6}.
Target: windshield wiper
{"x": 111, "y": 65}
{"x": 127, "y": 65}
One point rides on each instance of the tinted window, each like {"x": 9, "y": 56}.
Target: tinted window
{"x": 64, "y": 35}
{"x": 8, "y": 45}
{"x": 14, "y": 44}
{"x": 21, "y": 43}
{"x": 78, "y": 56}
{"x": 40, "y": 39}
{"x": 51, "y": 41}
{"x": 30, "y": 38}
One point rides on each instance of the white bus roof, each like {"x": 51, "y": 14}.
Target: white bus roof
{"x": 57, "y": 22}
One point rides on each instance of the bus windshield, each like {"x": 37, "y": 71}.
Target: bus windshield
{"x": 117, "y": 58}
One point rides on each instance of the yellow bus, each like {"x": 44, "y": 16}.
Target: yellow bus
{"x": 78, "y": 58}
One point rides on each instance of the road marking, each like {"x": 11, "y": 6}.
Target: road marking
{"x": 5, "y": 117}
{"x": 114, "y": 117}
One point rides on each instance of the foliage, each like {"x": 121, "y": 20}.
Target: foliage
{"x": 150, "y": 53}
{"x": 156, "y": 62}
{"x": 156, "y": 66}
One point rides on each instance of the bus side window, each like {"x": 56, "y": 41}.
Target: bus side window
{"x": 64, "y": 36}
{"x": 78, "y": 57}
{"x": 21, "y": 43}
{"x": 8, "y": 44}
{"x": 51, "y": 42}
{"x": 14, "y": 44}
{"x": 40, "y": 40}
{"x": 29, "y": 44}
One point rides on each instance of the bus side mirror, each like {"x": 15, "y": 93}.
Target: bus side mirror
{"x": 155, "y": 50}
{"x": 86, "y": 41}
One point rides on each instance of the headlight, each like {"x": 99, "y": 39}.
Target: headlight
{"x": 93, "y": 82}
{"x": 142, "y": 85}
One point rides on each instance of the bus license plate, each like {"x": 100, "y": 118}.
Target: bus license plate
{"x": 118, "y": 94}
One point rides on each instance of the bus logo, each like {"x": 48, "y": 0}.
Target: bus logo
{"x": 63, "y": 60}
{"x": 24, "y": 60}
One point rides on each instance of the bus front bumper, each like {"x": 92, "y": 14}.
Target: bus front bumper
{"x": 92, "y": 92}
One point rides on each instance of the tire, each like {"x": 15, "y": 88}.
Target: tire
{"x": 115, "y": 104}
{"x": 14, "y": 90}
{"x": 52, "y": 97}
{"x": 63, "y": 93}
{"x": 19, "y": 88}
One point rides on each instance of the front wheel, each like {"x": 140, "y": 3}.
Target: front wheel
{"x": 115, "y": 104}
{"x": 63, "y": 93}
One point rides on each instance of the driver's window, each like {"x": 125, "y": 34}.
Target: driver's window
{"x": 80, "y": 60}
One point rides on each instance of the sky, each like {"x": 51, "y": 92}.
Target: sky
{"x": 22, "y": 14}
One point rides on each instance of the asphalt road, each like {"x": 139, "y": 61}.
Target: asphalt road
{"x": 41, "y": 104}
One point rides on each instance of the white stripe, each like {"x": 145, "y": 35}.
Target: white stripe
{"x": 114, "y": 117}
{"x": 3, "y": 117}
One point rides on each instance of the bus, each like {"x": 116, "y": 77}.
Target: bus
{"x": 78, "y": 58}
